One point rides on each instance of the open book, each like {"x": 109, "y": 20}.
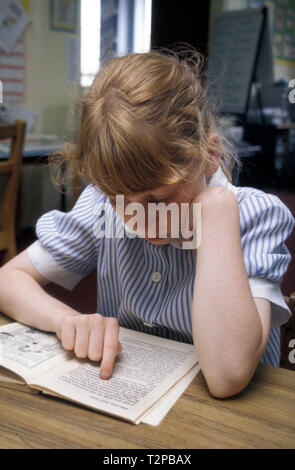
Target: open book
{"x": 148, "y": 376}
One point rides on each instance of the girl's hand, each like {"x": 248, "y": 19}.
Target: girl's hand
{"x": 92, "y": 336}
{"x": 213, "y": 199}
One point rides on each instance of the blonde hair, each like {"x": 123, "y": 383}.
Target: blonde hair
{"x": 145, "y": 123}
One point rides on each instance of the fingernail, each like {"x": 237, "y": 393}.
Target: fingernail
{"x": 104, "y": 375}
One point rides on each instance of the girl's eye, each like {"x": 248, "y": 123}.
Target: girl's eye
{"x": 156, "y": 201}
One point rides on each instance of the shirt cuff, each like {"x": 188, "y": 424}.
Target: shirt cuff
{"x": 49, "y": 268}
{"x": 271, "y": 290}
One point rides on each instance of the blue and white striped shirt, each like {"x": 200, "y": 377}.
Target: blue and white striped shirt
{"x": 149, "y": 287}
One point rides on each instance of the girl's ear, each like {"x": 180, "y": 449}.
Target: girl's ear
{"x": 215, "y": 151}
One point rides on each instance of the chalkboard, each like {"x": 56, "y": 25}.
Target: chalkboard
{"x": 233, "y": 52}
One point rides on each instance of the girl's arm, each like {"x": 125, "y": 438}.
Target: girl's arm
{"x": 23, "y": 299}
{"x": 230, "y": 329}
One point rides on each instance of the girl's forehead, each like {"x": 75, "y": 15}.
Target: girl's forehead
{"x": 165, "y": 191}
{"x": 160, "y": 191}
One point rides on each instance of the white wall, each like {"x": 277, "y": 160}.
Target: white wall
{"x": 47, "y": 90}
{"x": 52, "y": 98}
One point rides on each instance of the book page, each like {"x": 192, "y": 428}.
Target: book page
{"x": 6, "y": 376}
{"x": 13, "y": 381}
{"x": 157, "y": 412}
{"x": 146, "y": 369}
{"x": 29, "y": 352}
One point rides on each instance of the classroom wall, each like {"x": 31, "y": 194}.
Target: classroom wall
{"x": 52, "y": 98}
{"x": 47, "y": 90}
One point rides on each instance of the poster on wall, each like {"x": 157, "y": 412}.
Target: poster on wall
{"x": 13, "y": 22}
{"x": 12, "y": 73}
{"x": 64, "y": 15}
{"x": 282, "y": 16}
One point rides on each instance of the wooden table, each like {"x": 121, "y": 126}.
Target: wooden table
{"x": 263, "y": 416}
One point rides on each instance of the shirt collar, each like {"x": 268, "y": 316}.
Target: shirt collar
{"x": 219, "y": 179}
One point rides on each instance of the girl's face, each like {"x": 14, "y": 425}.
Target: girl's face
{"x": 167, "y": 194}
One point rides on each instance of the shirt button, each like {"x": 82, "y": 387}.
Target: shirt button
{"x": 156, "y": 277}
{"x": 150, "y": 325}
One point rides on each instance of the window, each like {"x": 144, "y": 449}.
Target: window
{"x": 90, "y": 40}
{"x": 142, "y": 25}
{"x": 131, "y": 31}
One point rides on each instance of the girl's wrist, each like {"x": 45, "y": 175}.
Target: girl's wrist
{"x": 59, "y": 315}
{"x": 219, "y": 215}
{"x": 215, "y": 204}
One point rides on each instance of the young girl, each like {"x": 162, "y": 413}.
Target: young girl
{"x": 148, "y": 134}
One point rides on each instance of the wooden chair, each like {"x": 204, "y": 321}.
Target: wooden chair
{"x": 12, "y": 169}
{"x": 287, "y": 335}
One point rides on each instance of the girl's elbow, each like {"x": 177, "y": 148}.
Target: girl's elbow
{"x": 226, "y": 390}
{"x": 227, "y": 384}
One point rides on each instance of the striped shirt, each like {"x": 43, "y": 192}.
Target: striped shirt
{"x": 149, "y": 287}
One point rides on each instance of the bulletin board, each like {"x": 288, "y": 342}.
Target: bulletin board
{"x": 12, "y": 69}
{"x": 12, "y": 73}
{"x": 282, "y": 16}
{"x": 234, "y": 45}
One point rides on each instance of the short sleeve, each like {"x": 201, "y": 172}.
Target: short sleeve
{"x": 67, "y": 248}
{"x": 266, "y": 222}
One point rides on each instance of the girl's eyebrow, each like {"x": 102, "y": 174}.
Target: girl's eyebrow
{"x": 154, "y": 197}
{"x": 147, "y": 196}
{"x": 160, "y": 198}
{"x": 163, "y": 196}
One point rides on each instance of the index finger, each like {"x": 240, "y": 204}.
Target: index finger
{"x": 111, "y": 349}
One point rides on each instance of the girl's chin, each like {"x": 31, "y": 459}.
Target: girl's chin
{"x": 159, "y": 241}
